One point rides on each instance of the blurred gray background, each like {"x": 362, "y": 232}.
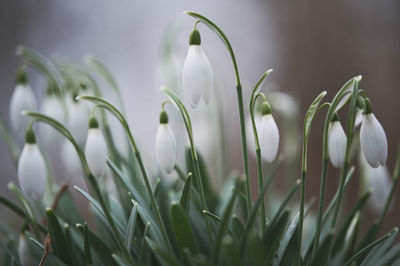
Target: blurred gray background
{"x": 311, "y": 45}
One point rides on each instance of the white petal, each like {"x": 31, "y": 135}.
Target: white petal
{"x": 96, "y": 152}
{"x": 23, "y": 251}
{"x": 380, "y": 182}
{"x": 32, "y": 171}
{"x": 70, "y": 160}
{"x": 359, "y": 117}
{"x": 22, "y": 99}
{"x": 197, "y": 76}
{"x": 269, "y": 138}
{"x": 373, "y": 141}
{"x": 166, "y": 150}
{"x": 51, "y": 107}
{"x": 78, "y": 117}
{"x": 337, "y": 141}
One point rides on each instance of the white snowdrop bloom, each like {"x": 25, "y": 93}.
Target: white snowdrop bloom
{"x": 70, "y": 160}
{"x": 269, "y": 135}
{"x": 21, "y": 99}
{"x": 31, "y": 168}
{"x": 378, "y": 179}
{"x": 52, "y": 107}
{"x": 283, "y": 103}
{"x": 373, "y": 139}
{"x": 166, "y": 149}
{"x": 197, "y": 74}
{"x": 337, "y": 142}
{"x": 23, "y": 251}
{"x": 96, "y": 149}
{"x": 77, "y": 120}
{"x": 359, "y": 118}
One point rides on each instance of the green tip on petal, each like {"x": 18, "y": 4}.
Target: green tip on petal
{"x": 265, "y": 108}
{"x": 21, "y": 75}
{"x": 93, "y": 122}
{"x": 163, "y": 117}
{"x": 368, "y": 106}
{"x": 335, "y": 117}
{"x": 194, "y": 38}
{"x": 30, "y": 136}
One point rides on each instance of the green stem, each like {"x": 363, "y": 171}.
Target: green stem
{"x": 329, "y": 116}
{"x": 350, "y": 134}
{"x": 104, "y": 104}
{"x": 228, "y": 46}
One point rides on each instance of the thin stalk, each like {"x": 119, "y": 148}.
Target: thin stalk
{"x": 322, "y": 192}
{"x": 104, "y": 104}
{"x": 228, "y": 46}
{"x": 350, "y": 134}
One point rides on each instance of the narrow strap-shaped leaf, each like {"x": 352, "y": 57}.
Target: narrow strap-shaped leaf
{"x": 369, "y": 247}
{"x": 102, "y": 251}
{"x": 163, "y": 257}
{"x": 375, "y": 255}
{"x": 226, "y": 218}
{"x": 185, "y": 197}
{"x": 86, "y": 244}
{"x": 322, "y": 255}
{"x": 131, "y": 228}
{"x": 9, "y": 251}
{"x": 213, "y": 216}
{"x": 182, "y": 229}
{"x": 289, "y": 235}
{"x": 273, "y": 236}
{"x": 9, "y": 140}
{"x": 287, "y": 199}
{"x": 58, "y": 241}
{"x": 254, "y": 211}
{"x": 311, "y": 113}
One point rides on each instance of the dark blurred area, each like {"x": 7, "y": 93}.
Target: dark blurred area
{"x": 311, "y": 45}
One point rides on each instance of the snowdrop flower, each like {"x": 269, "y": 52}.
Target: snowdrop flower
{"x": 379, "y": 180}
{"x": 31, "y": 168}
{"x": 23, "y": 251}
{"x": 77, "y": 120}
{"x": 166, "y": 149}
{"x": 96, "y": 148}
{"x": 70, "y": 160}
{"x": 21, "y": 99}
{"x": 249, "y": 132}
{"x": 197, "y": 74}
{"x": 51, "y": 106}
{"x": 269, "y": 134}
{"x": 373, "y": 138}
{"x": 337, "y": 142}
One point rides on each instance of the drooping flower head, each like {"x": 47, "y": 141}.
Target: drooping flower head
{"x": 197, "y": 76}
{"x": 166, "y": 148}
{"x": 337, "y": 142}
{"x": 373, "y": 138}
{"x": 96, "y": 148}
{"x": 78, "y": 116}
{"x": 269, "y": 134}
{"x": 31, "y": 168}
{"x": 21, "y": 99}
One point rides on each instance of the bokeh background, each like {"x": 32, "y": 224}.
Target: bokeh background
{"x": 312, "y": 46}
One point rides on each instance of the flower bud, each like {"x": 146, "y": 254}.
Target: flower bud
{"x": 269, "y": 134}
{"x": 166, "y": 149}
{"x": 31, "y": 168}
{"x": 24, "y": 253}
{"x": 197, "y": 74}
{"x": 21, "y": 99}
{"x": 51, "y": 107}
{"x": 96, "y": 148}
{"x": 337, "y": 142}
{"x": 373, "y": 138}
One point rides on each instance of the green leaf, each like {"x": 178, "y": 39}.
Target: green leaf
{"x": 287, "y": 199}
{"x": 86, "y": 244}
{"x": 322, "y": 255}
{"x": 131, "y": 228}
{"x": 253, "y": 214}
{"x": 370, "y": 246}
{"x": 182, "y": 229}
{"x": 164, "y": 257}
{"x": 9, "y": 140}
{"x": 374, "y": 257}
{"x": 58, "y": 241}
{"x": 101, "y": 250}
{"x": 311, "y": 113}
{"x": 226, "y": 218}
{"x": 185, "y": 197}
